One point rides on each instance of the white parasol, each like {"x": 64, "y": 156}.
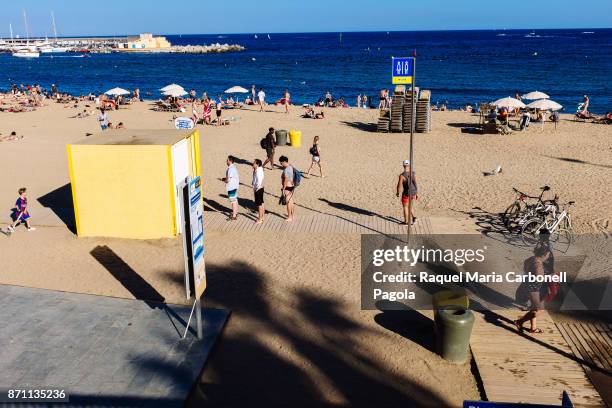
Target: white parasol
{"x": 508, "y": 102}
{"x": 117, "y": 91}
{"x": 545, "y": 104}
{"x": 172, "y": 87}
{"x": 535, "y": 95}
{"x": 175, "y": 92}
{"x": 236, "y": 89}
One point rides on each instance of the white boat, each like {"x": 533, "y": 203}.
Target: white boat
{"x": 26, "y": 54}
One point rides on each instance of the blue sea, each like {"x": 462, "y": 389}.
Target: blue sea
{"x": 459, "y": 67}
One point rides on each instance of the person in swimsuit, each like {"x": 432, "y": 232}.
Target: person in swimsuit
{"x": 287, "y": 100}
{"x": 195, "y": 116}
{"x": 315, "y": 152}
{"x": 207, "y": 111}
{"x": 288, "y": 188}
{"x": 537, "y": 265}
{"x": 219, "y": 103}
{"x": 382, "y": 99}
{"x": 405, "y": 188}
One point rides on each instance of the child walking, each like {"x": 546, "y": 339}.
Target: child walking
{"x": 20, "y": 212}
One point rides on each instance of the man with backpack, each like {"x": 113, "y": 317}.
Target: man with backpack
{"x": 269, "y": 144}
{"x": 290, "y": 179}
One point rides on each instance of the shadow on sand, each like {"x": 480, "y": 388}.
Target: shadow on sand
{"x": 60, "y": 202}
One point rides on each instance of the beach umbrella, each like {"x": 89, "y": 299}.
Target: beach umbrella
{"x": 545, "y": 104}
{"x": 117, "y": 91}
{"x": 508, "y": 102}
{"x": 175, "y": 92}
{"x": 236, "y": 89}
{"x": 172, "y": 87}
{"x": 535, "y": 95}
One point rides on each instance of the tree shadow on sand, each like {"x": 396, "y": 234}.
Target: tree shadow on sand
{"x": 317, "y": 329}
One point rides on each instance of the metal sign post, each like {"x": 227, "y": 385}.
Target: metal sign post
{"x": 412, "y": 125}
{"x": 193, "y": 241}
{"x": 403, "y": 72}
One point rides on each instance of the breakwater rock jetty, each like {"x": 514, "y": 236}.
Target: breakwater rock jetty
{"x": 204, "y": 49}
{"x": 193, "y": 49}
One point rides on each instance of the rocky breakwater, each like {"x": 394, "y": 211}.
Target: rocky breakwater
{"x": 202, "y": 49}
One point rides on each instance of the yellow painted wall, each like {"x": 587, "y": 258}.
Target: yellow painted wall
{"x": 122, "y": 191}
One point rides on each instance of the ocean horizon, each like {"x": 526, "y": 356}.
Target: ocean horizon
{"x": 458, "y": 66}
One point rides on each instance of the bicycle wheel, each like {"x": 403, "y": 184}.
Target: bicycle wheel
{"x": 562, "y": 239}
{"x": 510, "y": 216}
{"x": 531, "y": 231}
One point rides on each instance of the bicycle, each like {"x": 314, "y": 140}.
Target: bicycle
{"x": 521, "y": 210}
{"x": 559, "y": 225}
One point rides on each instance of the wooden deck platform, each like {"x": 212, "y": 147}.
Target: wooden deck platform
{"x": 312, "y": 222}
{"x": 592, "y": 343}
{"x": 528, "y": 368}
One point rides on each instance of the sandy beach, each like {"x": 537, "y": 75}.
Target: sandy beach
{"x": 295, "y": 299}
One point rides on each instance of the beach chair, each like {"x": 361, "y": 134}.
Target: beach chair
{"x": 161, "y": 106}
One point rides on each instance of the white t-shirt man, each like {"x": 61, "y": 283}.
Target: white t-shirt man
{"x": 261, "y": 96}
{"x": 258, "y": 178}
{"x": 233, "y": 179}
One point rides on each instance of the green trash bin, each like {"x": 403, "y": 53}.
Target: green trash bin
{"x": 453, "y": 330}
{"x": 281, "y": 138}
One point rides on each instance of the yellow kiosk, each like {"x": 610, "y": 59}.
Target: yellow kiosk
{"x": 125, "y": 182}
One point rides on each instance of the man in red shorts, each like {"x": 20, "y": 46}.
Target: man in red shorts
{"x": 405, "y": 189}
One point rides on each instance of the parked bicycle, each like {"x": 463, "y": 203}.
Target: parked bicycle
{"x": 523, "y": 209}
{"x": 558, "y": 224}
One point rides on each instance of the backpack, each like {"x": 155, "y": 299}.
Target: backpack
{"x": 297, "y": 177}
{"x": 313, "y": 151}
{"x": 264, "y": 143}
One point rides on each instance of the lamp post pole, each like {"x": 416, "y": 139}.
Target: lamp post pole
{"x": 412, "y": 125}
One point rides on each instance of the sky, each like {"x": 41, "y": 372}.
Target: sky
{"x": 115, "y": 17}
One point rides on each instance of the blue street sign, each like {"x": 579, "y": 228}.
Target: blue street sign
{"x": 402, "y": 72}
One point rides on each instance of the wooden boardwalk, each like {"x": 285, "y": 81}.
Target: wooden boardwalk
{"x": 592, "y": 343}
{"x": 513, "y": 367}
{"x": 528, "y": 368}
{"x": 313, "y": 222}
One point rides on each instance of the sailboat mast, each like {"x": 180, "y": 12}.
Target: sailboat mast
{"x": 25, "y": 22}
{"x": 11, "y": 29}
{"x": 54, "y": 27}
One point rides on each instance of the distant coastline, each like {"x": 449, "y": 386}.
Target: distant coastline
{"x": 460, "y": 67}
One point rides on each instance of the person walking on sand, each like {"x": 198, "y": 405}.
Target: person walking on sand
{"x": 253, "y": 94}
{"x": 219, "y": 105}
{"x": 195, "y": 116}
{"x": 103, "y": 119}
{"x": 532, "y": 291}
{"x": 315, "y": 152}
{"x": 287, "y": 100}
{"x": 288, "y": 187}
{"x": 261, "y": 98}
{"x": 270, "y": 148}
{"x": 258, "y": 190}
{"x": 359, "y": 101}
{"x": 20, "y": 212}
{"x": 232, "y": 183}
{"x": 405, "y": 187}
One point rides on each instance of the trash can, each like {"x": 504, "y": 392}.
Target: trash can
{"x": 453, "y": 330}
{"x": 448, "y": 298}
{"x": 281, "y": 137}
{"x": 295, "y": 137}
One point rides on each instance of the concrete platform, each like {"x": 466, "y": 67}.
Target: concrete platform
{"x": 102, "y": 351}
